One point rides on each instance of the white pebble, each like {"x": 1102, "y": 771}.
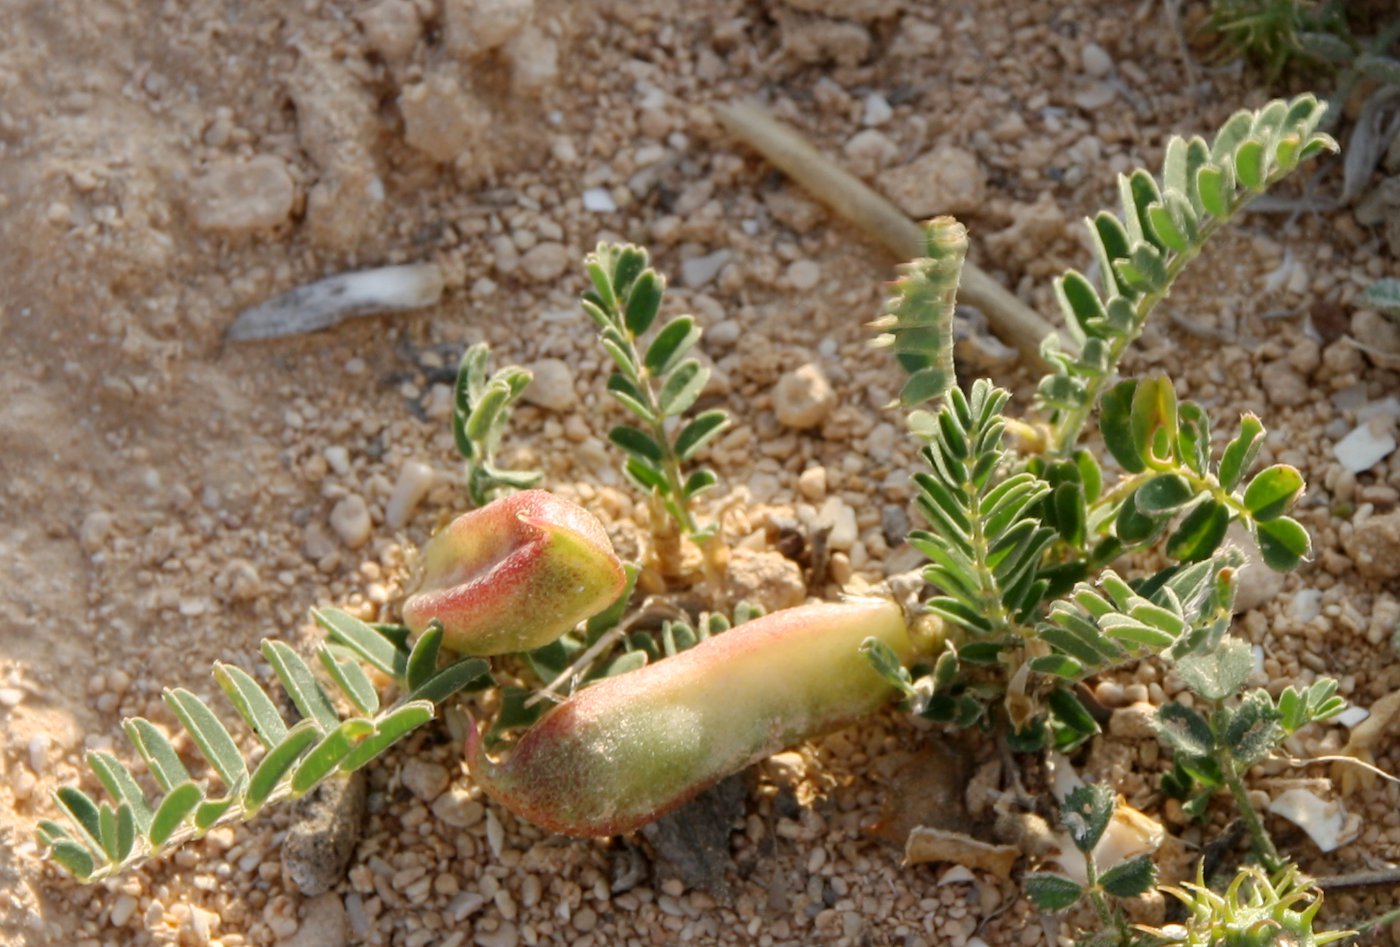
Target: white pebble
{"x": 841, "y": 520}
{"x": 599, "y": 200}
{"x": 424, "y": 779}
{"x": 803, "y": 274}
{"x": 546, "y": 262}
{"x": 700, "y": 270}
{"x": 415, "y": 480}
{"x": 39, "y": 753}
{"x": 552, "y": 387}
{"x": 803, "y": 398}
{"x": 10, "y": 696}
{"x": 1095, "y": 60}
{"x": 495, "y": 834}
{"x": 1363, "y": 448}
{"x": 122, "y": 909}
{"x": 877, "y": 110}
{"x": 351, "y": 522}
{"x": 339, "y": 459}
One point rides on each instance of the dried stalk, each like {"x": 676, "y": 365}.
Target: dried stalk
{"x": 852, "y": 199}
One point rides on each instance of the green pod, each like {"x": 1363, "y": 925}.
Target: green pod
{"x": 631, "y": 748}
{"x": 515, "y": 575}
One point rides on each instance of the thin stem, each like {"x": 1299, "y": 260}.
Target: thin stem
{"x": 1263, "y": 844}
{"x": 1091, "y": 876}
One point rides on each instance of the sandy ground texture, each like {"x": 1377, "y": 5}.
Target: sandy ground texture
{"x": 168, "y": 499}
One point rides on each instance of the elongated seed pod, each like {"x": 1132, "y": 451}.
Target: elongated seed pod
{"x": 631, "y": 748}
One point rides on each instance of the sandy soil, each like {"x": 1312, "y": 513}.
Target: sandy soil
{"x": 167, "y": 498}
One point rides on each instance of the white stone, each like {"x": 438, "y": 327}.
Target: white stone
{"x": 350, "y": 521}
{"x": 803, "y": 398}
{"x": 552, "y": 387}
{"x": 1095, "y": 60}
{"x": 236, "y": 196}
{"x": 877, "y": 111}
{"x": 441, "y": 119}
{"x": 546, "y": 262}
{"x": 415, "y": 480}
{"x": 324, "y": 923}
{"x": 599, "y": 200}
{"x": 476, "y": 26}
{"x": 841, "y": 520}
{"x": 458, "y": 809}
{"x": 534, "y": 60}
{"x": 1364, "y": 447}
{"x": 868, "y": 151}
{"x": 701, "y": 270}
{"x": 338, "y": 458}
{"x": 812, "y": 484}
{"x": 804, "y": 274}
{"x": 946, "y": 180}
{"x": 424, "y": 779}
{"x": 392, "y": 28}
{"x": 1306, "y": 605}
{"x": 1095, "y": 96}
{"x": 1352, "y": 716}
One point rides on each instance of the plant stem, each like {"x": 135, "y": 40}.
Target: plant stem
{"x": 1263, "y": 844}
{"x": 1091, "y": 875}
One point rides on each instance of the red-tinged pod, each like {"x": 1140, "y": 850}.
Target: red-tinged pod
{"x": 631, "y": 748}
{"x": 515, "y": 575}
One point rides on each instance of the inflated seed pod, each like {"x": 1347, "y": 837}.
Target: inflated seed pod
{"x": 629, "y": 749}
{"x": 515, "y": 575}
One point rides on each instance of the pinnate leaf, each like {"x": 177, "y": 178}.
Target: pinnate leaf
{"x": 251, "y": 702}
{"x": 209, "y": 735}
{"x": 360, "y": 637}
{"x": 172, "y": 812}
{"x": 301, "y": 685}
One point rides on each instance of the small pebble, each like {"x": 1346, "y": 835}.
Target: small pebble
{"x": 1095, "y": 60}
{"x": 803, "y": 397}
{"x": 877, "y": 111}
{"x": 1095, "y": 96}
{"x": 701, "y": 270}
{"x": 841, "y": 520}
{"x": 237, "y": 196}
{"x": 415, "y": 480}
{"x": 424, "y": 779}
{"x": 552, "y": 387}
{"x": 803, "y": 274}
{"x": 599, "y": 200}
{"x": 350, "y": 521}
{"x": 338, "y": 458}
{"x": 458, "y": 809}
{"x": 1364, "y": 447}
{"x": 811, "y": 483}
{"x": 546, "y": 262}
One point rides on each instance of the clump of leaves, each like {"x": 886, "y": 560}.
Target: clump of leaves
{"x": 105, "y": 838}
{"x": 1086, "y": 815}
{"x": 481, "y": 409}
{"x": 1213, "y": 749}
{"x": 1277, "y": 33}
{"x": 1022, "y": 529}
{"x": 659, "y": 383}
{"x": 1257, "y": 909}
